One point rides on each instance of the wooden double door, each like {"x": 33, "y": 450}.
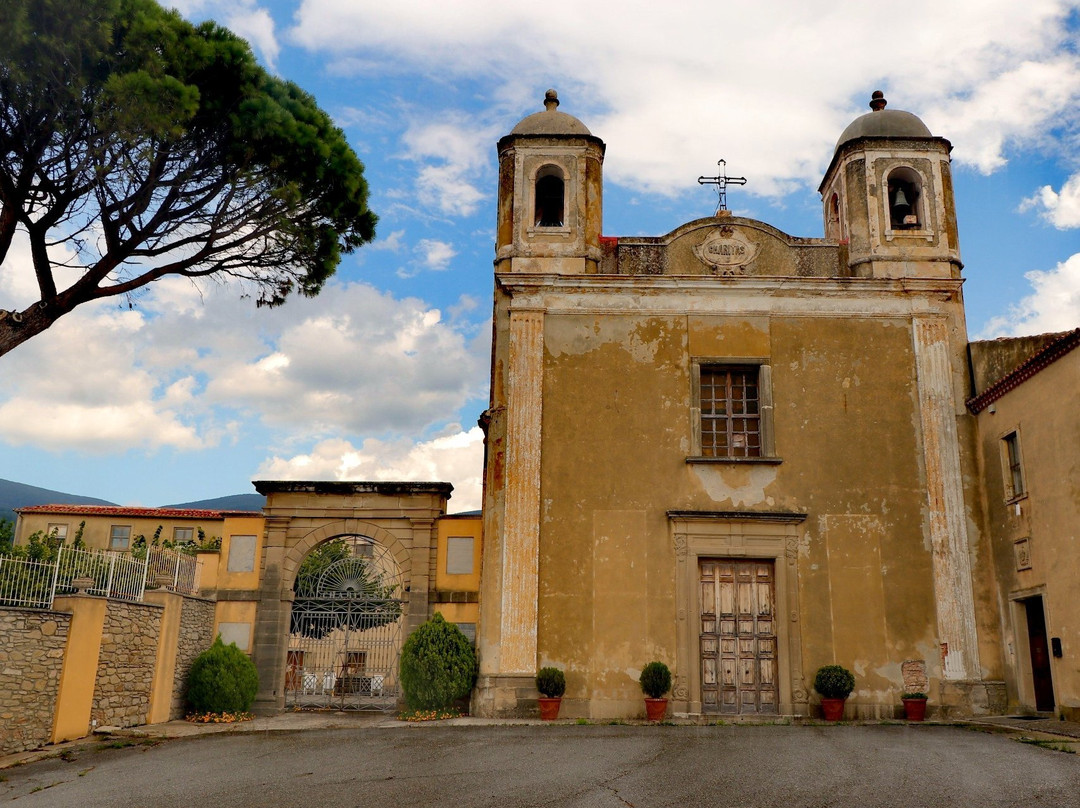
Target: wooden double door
{"x": 738, "y": 636}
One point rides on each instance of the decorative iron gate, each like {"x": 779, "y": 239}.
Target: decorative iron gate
{"x": 346, "y": 628}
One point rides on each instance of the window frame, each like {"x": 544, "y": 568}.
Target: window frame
{"x": 51, "y": 526}
{"x": 1012, "y": 467}
{"x": 189, "y": 530}
{"x": 766, "y": 431}
{"x": 112, "y": 538}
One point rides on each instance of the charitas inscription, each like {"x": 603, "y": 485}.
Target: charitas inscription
{"x": 727, "y": 251}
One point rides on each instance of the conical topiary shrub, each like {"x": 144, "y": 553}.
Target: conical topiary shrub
{"x": 438, "y": 665}
{"x": 222, "y": 680}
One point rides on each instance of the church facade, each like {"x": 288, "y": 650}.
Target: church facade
{"x": 739, "y": 452}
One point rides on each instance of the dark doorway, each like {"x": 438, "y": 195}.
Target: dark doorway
{"x": 1040, "y": 655}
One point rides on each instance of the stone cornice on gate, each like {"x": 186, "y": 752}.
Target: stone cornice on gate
{"x": 337, "y": 487}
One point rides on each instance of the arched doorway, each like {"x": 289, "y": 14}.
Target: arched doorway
{"x": 346, "y": 627}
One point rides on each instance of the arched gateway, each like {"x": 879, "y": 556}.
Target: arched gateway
{"x": 328, "y": 632}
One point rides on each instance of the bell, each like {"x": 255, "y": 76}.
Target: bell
{"x": 901, "y": 199}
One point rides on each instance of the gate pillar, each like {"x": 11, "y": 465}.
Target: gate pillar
{"x": 272, "y": 620}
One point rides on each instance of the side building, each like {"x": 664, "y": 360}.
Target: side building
{"x": 1028, "y": 406}
{"x": 321, "y": 588}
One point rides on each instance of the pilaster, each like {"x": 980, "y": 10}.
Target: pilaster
{"x": 520, "y": 545}
{"x": 945, "y": 500}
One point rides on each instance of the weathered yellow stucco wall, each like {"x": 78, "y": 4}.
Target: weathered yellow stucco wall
{"x": 618, "y": 432}
{"x": 75, "y": 698}
{"x": 241, "y": 549}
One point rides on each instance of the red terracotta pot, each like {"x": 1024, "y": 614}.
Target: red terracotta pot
{"x": 655, "y": 709}
{"x": 549, "y": 708}
{"x": 833, "y": 708}
{"x": 914, "y": 709}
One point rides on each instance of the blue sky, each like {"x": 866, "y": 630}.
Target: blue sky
{"x": 193, "y": 392}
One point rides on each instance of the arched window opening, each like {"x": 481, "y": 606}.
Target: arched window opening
{"x": 832, "y": 219}
{"x": 904, "y": 200}
{"x": 550, "y": 193}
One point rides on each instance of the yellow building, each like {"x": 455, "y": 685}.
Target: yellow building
{"x": 1027, "y": 403}
{"x": 110, "y": 527}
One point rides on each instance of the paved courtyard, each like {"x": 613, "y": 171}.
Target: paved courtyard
{"x": 562, "y": 765}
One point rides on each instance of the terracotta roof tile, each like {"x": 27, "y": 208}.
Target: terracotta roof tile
{"x": 135, "y": 513}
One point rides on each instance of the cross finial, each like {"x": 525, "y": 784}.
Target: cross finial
{"x": 721, "y": 181}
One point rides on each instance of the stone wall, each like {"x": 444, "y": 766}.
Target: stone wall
{"x": 126, "y": 665}
{"x": 196, "y": 635}
{"x": 31, "y": 659}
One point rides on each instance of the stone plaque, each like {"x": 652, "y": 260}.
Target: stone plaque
{"x": 727, "y": 251}
{"x": 1022, "y": 553}
{"x": 239, "y": 633}
{"x": 242, "y": 553}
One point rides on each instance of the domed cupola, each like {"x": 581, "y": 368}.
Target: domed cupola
{"x": 550, "y": 121}
{"x": 888, "y": 197}
{"x": 881, "y": 122}
{"x": 550, "y": 195}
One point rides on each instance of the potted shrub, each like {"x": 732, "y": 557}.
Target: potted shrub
{"x": 552, "y": 684}
{"x": 655, "y": 682}
{"x": 834, "y": 683}
{"x": 914, "y": 706}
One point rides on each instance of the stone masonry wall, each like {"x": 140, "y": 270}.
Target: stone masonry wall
{"x": 31, "y": 659}
{"x": 196, "y": 635}
{"x": 126, "y": 665}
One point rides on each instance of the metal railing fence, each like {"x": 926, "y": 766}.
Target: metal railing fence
{"x": 173, "y": 570}
{"x": 34, "y": 584}
{"x": 27, "y": 583}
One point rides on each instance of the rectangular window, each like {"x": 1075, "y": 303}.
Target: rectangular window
{"x": 1013, "y": 467}
{"x": 119, "y": 537}
{"x": 59, "y": 529}
{"x": 730, "y": 411}
{"x": 183, "y": 535}
{"x": 459, "y": 555}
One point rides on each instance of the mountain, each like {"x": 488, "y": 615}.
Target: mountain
{"x": 17, "y": 495}
{"x": 234, "y": 502}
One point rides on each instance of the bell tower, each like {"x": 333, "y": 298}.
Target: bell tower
{"x": 550, "y": 195}
{"x": 888, "y": 196}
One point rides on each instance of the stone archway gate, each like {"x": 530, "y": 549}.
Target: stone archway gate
{"x": 400, "y": 517}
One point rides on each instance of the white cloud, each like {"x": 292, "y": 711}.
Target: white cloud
{"x": 245, "y": 18}
{"x": 455, "y": 155}
{"x": 80, "y": 385}
{"x": 256, "y": 26}
{"x": 1053, "y": 306}
{"x": 394, "y": 242}
{"x": 435, "y": 254}
{"x": 176, "y": 370}
{"x": 1061, "y": 209}
{"x": 977, "y": 71}
{"x": 456, "y": 457}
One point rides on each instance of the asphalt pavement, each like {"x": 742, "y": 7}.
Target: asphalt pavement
{"x": 339, "y": 759}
